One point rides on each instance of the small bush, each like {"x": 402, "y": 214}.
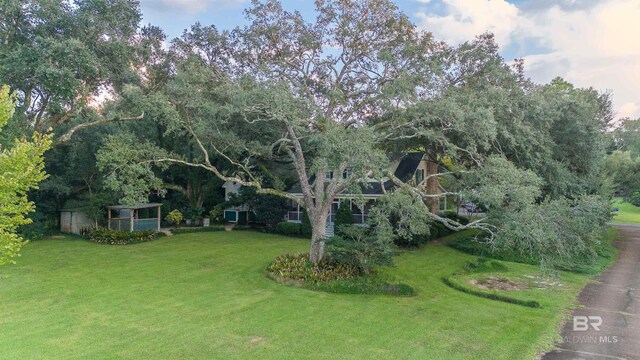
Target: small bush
{"x": 40, "y": 227}
{"x": 216, "y": 213}
{"x": 288, "y": 228}
{"x": 438, "y": 230}
{"x": 482, "y": 264}
{"x": 357, "y": 248}
{"x": 344, "y": 216}
{"x": 270, "y": 210}
{"x": 113, "y": 237}
{"x": 185, "y": 230}
{"x": 174, "y": 217}
{"x": 305, "y": 225}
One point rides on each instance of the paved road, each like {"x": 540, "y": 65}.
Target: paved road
{"x": 615, "y": 298}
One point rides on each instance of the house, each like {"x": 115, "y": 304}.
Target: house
{"x": 240, "y": 214}
{"x": 413, "y": 168}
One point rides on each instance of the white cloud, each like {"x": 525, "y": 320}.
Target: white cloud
{"x": 465, "y": 19}
{"x": 194, "y": 6}
{"x": 595, "y": 46}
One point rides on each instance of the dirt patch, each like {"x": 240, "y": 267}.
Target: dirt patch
{"x": 258, "y": 340}
{"x": 498, "y": 283}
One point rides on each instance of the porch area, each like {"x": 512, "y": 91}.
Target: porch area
{"x": 137, "y": 217}
{"x": 359, "y": 208}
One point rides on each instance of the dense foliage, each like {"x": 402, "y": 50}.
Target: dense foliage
{"x": 197, "y": 229}
{"x": 331, "y": 276}
{"x": 297, "y": 267}
{"x": 174, "y": 217}
{"x": 21, "y": 169}
{"x": 114, "y": 237}
{"x": 357, "y": 247}
{"x": 293, "y": 97}
{"x": 343, "y": 217}
{"x": 288, "y": 228}
{"x": 560, "y": 234}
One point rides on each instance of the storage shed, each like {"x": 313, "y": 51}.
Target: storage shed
{"x": 74, "y": 221}
{"x": 134, "y": 218}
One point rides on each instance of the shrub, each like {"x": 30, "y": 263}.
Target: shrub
{"x": 288, "y": 228}
{"x": 438, "y": 230}
{"x": 270, "y": 210}
{"x": 359, "y": 249}
{"x": 38, "y": 229}
{"x": 297, "y": 267}
{"x": 216, "y": 213}
{"x": 174, "y": 217}
{"x": 193, "y": 213}
{"x": 344, "y": 216}
{"x": 330, "y": 276}
{"x": 305, "y": 228}
{"x": 186, "y": 230}
{"x": 482, "y": 264}
{"x": 113, "y": 237}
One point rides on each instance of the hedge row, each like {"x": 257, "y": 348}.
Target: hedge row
{"x": 113, "y": 237}
{"x": 291, "y": 229}
{"x": 186, "y": 230}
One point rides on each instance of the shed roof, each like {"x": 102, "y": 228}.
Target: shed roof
{"x": 134, "y": 207}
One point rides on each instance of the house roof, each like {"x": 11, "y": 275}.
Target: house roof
{"x": 405, "y": 170}
{"x": 134, "y": 207}
{"x": 408, "y": 165}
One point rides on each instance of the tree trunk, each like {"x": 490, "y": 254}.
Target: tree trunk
{"x": 432, "y": 187}
{"x": 318, "y": 228}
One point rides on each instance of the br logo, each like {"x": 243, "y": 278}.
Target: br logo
{"x": 582, "y": 323}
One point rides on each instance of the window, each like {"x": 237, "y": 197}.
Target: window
{"x": 329, "y": 175}
{"x": 419, "y": 176}
{"x": 345, "y": 174}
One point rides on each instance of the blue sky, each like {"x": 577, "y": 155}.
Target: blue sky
{"x": 588, "y": 42}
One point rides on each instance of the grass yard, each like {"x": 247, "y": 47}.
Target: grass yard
{"x": 205, "y": 296}
{"x": 627, "y": 214}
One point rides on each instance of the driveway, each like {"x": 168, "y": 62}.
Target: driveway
{"x": 610, "y": 312}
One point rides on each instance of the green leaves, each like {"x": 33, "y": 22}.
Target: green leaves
{"x": 561, "y": 234}
{"x": 499, "y": 184}
{"x": 128, "y": 164}
{"x": 21, "y": 169}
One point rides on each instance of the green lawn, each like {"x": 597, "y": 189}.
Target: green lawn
{"x": 205, "y": 296}
{"x": 628, "y": 214}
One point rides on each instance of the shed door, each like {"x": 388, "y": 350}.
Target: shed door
{"x": 65, "y": 222}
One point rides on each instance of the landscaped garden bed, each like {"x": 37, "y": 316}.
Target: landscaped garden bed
{"x": 331, "y": 276}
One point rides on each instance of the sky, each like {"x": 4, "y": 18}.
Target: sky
{"x": 587, "y": 42}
